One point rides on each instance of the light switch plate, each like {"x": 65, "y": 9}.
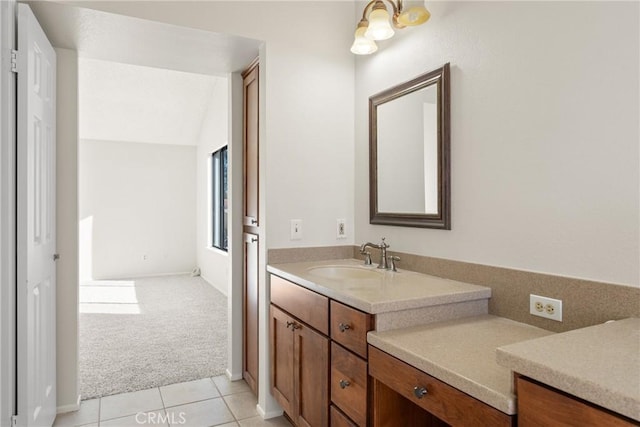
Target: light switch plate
{"x": 296, "y": 229}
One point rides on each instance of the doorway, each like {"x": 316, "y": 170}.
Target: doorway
{"x": 148, "y": 43}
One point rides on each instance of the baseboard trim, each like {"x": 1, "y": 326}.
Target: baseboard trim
{"x": 232, "y": 377}
{"x": 267, "y": 415}
{"x": 69, "y": 408}
{"x": 141, "y": 276}
{"x": 217, "y": 288}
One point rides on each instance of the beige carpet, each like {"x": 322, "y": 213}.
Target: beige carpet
{"x": 142, "y": 333}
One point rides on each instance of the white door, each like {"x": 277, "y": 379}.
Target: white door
{"x": 36, "y": 220}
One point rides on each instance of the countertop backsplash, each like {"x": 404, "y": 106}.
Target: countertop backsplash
{"x": 585, "y": 302}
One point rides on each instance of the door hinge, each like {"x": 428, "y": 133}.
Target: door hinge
{"x": 14, "y": 61}
{"x": 14, "y": 420}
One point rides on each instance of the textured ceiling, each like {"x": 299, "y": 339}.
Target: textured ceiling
{"x": 110, "y": 37}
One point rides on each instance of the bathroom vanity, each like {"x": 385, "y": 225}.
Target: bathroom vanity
{"x": 320, "y": 315}
{"x": 353, "y": 345}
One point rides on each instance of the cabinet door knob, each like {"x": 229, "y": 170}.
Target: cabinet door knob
{"x": 343, "y": 327}
{"x": 419, "y": 391}
{"x": 344, "y": 384}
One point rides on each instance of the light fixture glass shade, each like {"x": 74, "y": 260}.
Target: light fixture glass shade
{"x": 413, "y": 16}
{"x": 379, "y": 26}
{"x": 362, "y": 45}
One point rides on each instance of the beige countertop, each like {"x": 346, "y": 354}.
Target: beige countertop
{"x": 462, "y": 353}
{"x": 386, "y": 292}
{"x": 600, "y": 364}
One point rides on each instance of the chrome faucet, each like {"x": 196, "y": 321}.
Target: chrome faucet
{"x": 383, "y": 253}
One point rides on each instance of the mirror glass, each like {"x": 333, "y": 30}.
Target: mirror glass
{"x": 409, "y": 152}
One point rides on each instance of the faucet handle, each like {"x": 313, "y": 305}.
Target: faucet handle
{"x": 392, "y": 260}
{"x": 367, "y": 257}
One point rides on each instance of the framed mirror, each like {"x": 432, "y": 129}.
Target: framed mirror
{"x": 409, "y": 170}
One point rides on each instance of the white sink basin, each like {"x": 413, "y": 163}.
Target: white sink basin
{"x": 346, "y": 272}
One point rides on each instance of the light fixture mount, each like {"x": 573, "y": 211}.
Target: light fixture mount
{"x": 374, "y": 24}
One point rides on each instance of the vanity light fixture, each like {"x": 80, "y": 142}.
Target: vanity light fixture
{"x": 375, "y": 23}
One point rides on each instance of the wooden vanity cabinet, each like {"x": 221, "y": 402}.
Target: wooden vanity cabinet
{"x": 541, "y": 405}
{"x": 401, "y": 391}
{"x": 318, "y": 357}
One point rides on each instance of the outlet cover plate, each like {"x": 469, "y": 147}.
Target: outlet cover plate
{"x": 546, "y": 307}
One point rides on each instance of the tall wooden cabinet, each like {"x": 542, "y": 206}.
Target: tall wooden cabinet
{"x": 252, "y": 229}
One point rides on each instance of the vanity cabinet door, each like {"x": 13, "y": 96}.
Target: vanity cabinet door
{"x": 299, "y": 369}
{"x": 311, "y": 351}
{"x": 282, "y": 358}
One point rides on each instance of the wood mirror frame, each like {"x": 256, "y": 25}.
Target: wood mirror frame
{"x": 441, "y": 219}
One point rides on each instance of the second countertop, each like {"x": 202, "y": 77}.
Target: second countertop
{"x": 462, "y": 353}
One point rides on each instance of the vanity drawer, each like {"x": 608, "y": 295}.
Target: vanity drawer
{"x": 306, "y": 305}
{"x": 349, "y": 327}
{"x": 445, "y": 402}
{"x": 349, "y": 384}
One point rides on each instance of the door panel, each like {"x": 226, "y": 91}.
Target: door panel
{"x": 36, "y": 237}
{"x": 250, "y": 336}
{"x": 251, "y": 169}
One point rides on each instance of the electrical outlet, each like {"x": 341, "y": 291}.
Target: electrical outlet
{"x": 296, "y": 229}
{"x": 341, "y": 230}
{"x": 548, "y": 308}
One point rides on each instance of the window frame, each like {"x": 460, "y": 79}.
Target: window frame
{"x": 219, "y": 180}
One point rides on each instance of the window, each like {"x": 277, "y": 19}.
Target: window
{"x": 219, "y": 199}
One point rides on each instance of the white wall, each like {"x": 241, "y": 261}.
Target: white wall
{"x": 544, "y": 140}
{"x": 214, "y": 264}
{"x": 138, "y": 204}
{"x": 309, "y": 103}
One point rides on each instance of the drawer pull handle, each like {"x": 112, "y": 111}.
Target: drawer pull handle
{"x": 290, "y": 324}
{"x": 344, "y": 384}
{"x": 419, "y": 392}
{"x": 343, "y": 327}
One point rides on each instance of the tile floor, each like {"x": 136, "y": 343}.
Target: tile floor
{"x": 201, "y": 403}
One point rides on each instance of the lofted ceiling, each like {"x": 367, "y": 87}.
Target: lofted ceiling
{"x": 133, "y": 103}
